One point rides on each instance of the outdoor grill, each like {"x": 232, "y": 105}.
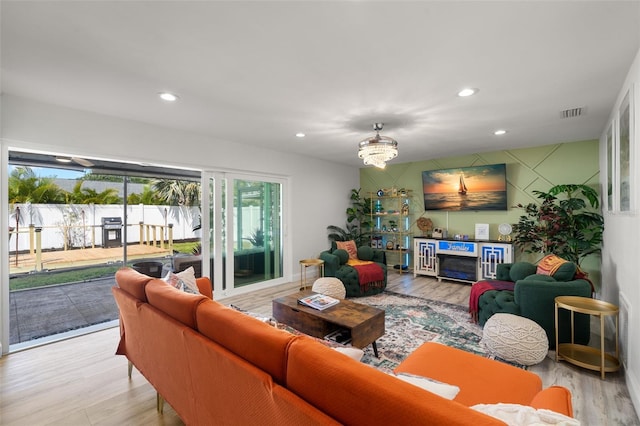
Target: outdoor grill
{"x": 111, "y": 232}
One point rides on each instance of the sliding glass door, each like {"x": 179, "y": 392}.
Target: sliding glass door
{"x": 246, "y": 232}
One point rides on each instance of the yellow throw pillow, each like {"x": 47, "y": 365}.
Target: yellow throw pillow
{"x": 349, "y": 247}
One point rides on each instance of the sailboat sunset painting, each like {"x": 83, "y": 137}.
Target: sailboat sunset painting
{"x": 466, "y": 188}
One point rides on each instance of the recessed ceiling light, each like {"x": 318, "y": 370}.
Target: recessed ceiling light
{"x": 169, "y": 97}
{"x": 467, "y": 92}
{"x": 63, "y": 159}
{"x": 300, "y": 135}
{"x": 499, "y": 132}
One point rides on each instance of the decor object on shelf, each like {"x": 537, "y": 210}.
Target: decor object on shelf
{"x": 563, "y": 224}
{"x": 505, "y": 232}
{"x": 424, "y": 224}
{"x": 377, "y": 150}
{"x": 482, "y": 231}
{"x": 514, "y": 338}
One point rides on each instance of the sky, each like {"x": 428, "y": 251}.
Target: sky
{"x": 51, "y": 173}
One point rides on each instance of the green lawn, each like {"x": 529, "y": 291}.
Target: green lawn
{"x": 80, "y": 274}
{"x": 50, "y": 278}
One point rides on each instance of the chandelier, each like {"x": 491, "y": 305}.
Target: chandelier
{"x": 377, "y": 150}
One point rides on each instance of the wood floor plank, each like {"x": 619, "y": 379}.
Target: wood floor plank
{"x": 81, "y": 382}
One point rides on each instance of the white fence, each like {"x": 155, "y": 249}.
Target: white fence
{"x": 80, "y": 225}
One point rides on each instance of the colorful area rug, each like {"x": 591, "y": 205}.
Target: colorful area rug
{"x": 411, "y": 321}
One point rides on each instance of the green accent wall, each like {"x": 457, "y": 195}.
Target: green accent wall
{"x": 528, "y": 169}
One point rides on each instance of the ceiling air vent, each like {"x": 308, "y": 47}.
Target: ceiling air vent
{"x": 573, "y": 112}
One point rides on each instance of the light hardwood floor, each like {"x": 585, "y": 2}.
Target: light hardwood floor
{"x": 80, "y": 382}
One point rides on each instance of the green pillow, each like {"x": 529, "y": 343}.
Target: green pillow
{"x": 521, "y": 270}
{"x": 343, "y": 255}
{"x": 565, "y": 272}
{"x": 365, "y": 253}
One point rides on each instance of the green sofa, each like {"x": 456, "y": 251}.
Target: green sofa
{"x": 335, "y": 265}
{"x": 534, "y": 296}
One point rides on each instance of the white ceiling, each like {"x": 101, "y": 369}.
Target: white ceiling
{"x": 259, "y": 72}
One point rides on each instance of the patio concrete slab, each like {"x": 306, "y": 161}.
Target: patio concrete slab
{"x": 46, "y": 311}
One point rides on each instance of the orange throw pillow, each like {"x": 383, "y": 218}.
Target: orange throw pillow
{"x": 549, "y": 265}
{"x": 350, "y": 247}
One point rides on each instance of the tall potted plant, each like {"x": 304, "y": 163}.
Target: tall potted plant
{"x": 358, "y": 226}
{"x": 567, "y": 222}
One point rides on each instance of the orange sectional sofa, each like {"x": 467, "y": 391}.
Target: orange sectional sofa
{"x": 215, "y": 365}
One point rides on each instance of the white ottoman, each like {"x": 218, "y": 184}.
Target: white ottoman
{"x": 515, "y": 339}
{"x": 330, "y": 286}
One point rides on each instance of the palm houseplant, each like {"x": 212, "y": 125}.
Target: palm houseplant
{"x": 358, "y": 227}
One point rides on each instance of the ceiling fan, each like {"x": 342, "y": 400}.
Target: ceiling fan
{"x": 78, "y": 160}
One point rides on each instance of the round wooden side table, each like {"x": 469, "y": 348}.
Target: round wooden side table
{"x": 582, "y": 355}
{"x": 304, "y": 264}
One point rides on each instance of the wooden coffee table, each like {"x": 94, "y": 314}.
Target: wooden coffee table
{"x": 363, "y": 323}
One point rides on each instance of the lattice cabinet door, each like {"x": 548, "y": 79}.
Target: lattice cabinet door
{"x": 492, "y": 254}
{"x": 424, "y": 255}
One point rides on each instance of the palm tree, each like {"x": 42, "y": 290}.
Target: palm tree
{"x": 178, "y": 192}
{"x": 26, "y": 187}
{"x": 148, "y": 197}
{"x": 81, "y": 195}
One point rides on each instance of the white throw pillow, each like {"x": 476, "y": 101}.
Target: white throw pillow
{"x": 354, "y": 353}
{"x": 524, "y": 415}
{"x": 185, "y": 280}
{"x": 442, "y": 389}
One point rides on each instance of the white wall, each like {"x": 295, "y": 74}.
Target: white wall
{"x": 319, "y": 190}
{"x": 621, "y": 251}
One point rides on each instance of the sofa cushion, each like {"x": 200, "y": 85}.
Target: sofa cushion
{"x": 249, "y": 338}
{"x": 177, "y": 304}
{"x": 342, "y": 255}
{"x": 521, "y": 270}
{"x": 350, "y": 247}
{"x": 365, "y": 253}
{"x": 133, "y": 282}
{"x": 481, "y": 380}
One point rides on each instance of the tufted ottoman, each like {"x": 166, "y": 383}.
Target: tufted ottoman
{"x": 514, "y": 338}
{"x": 330, "y": 286}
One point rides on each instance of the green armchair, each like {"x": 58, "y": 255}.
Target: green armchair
{"x": 335, "y": 265}
{"x": 533, "y": 297}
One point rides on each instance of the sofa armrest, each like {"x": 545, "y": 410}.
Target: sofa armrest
{"x": 380, "y": 256}
{"x": 502, "y": 271}
{"x": 205, "y": 287}
{"x": 536, "y": 300}
{"x": 554, "y": 398}
{"x": 331, "y": 263}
